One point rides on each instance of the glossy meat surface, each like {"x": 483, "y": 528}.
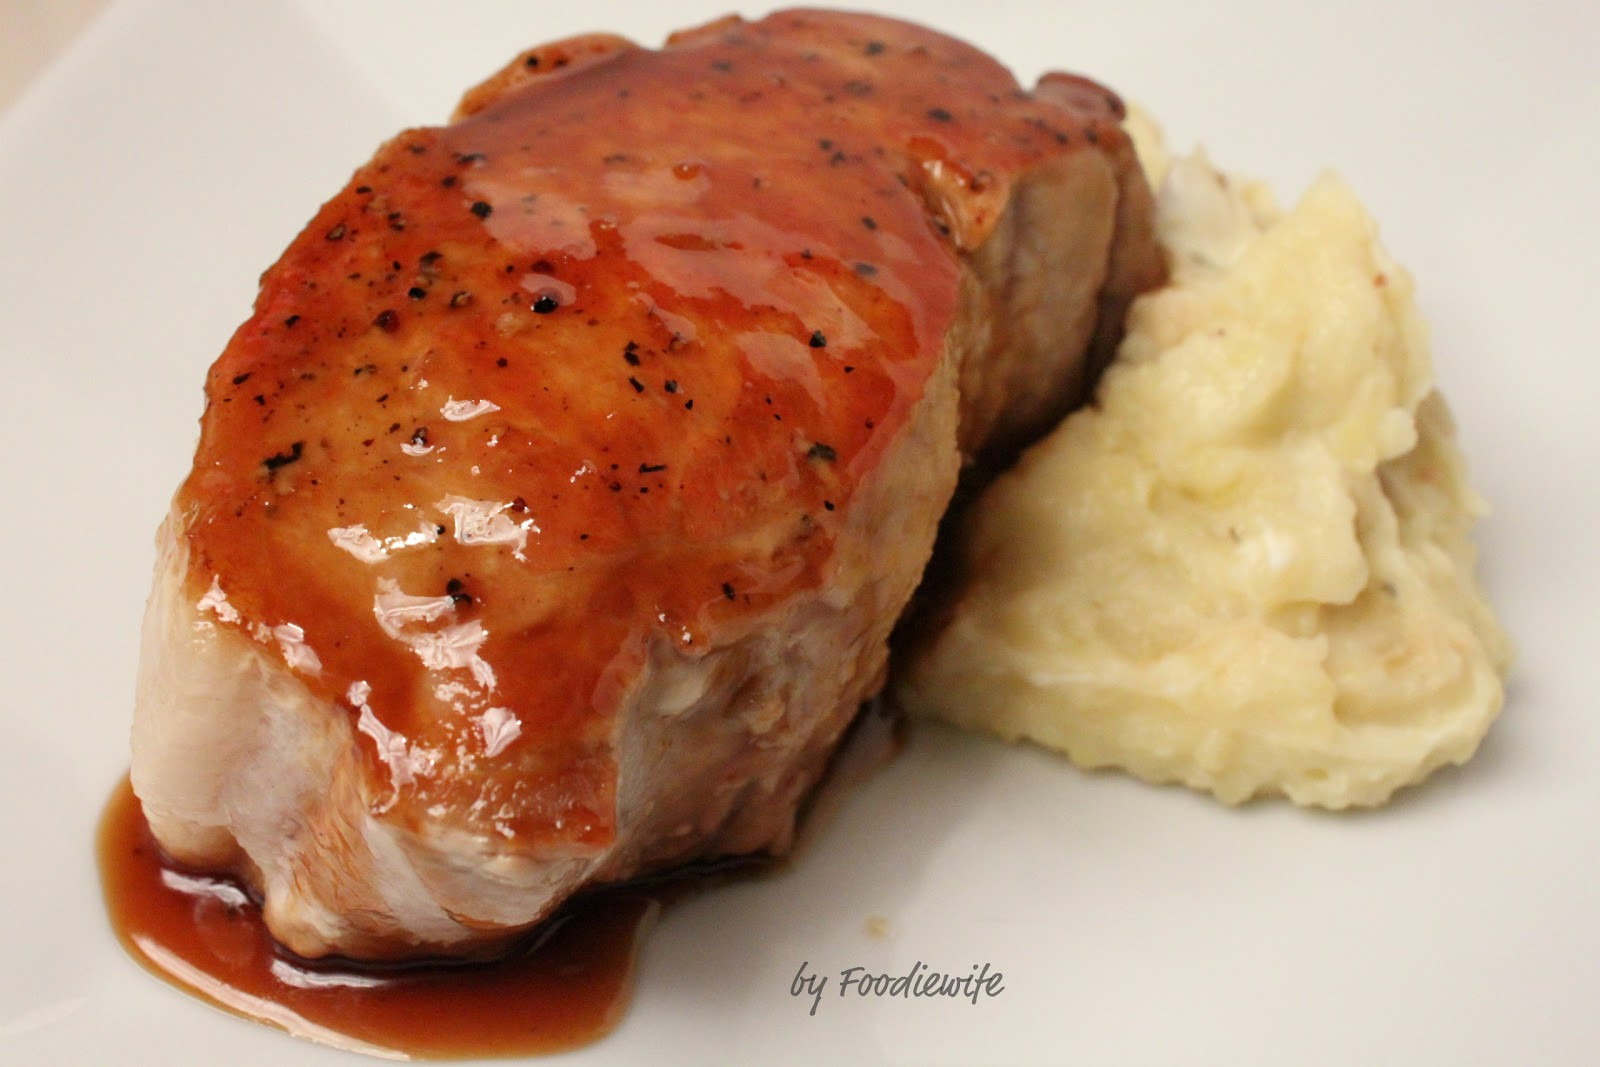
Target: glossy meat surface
{"x": 553, "y": 423}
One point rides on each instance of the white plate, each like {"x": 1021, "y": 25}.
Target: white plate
{"x": 154, "y": 172}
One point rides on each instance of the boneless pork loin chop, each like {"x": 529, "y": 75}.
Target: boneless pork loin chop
{"x": 552, "y": 510}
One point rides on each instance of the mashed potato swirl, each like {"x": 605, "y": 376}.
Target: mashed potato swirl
{"x": 1247, "y": 567}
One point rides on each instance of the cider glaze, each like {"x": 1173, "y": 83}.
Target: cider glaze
{"x": 692, "y": 295}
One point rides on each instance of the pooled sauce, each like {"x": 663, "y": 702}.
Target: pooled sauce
{"x": 565, "y": 986}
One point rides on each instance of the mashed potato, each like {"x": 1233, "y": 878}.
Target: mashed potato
{"x": 1247, "y": 568}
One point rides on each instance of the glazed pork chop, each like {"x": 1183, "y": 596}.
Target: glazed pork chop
{"x": 552, "y": 510}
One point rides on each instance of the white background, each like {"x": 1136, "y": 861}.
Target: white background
{"x": 148, "y": 177}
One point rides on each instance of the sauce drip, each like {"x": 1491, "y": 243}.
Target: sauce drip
{"x": 565, "y": 987}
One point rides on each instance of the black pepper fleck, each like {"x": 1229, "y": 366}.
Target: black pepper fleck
{"x": 651, "y": 468}
{"x": 240, "y": 379}
{"x": 291, "y": 320}
{"x": 671, "y": 385}
{"x": 545, "y": 304}
{"x": 869, "y": 222}
{"x": 817, "y": 340}
{"x": 416, "y": 292}
{"x": 638, "y": 386}
{"x": 387, "y": 321}
{"x": 481, "y": 209}
{"x": 727, "y": 590}
{"x": 822, "y": 452}
{"x": 939, "y": 114}
{"x": 283, "y": 459}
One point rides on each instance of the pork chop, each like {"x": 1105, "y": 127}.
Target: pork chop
{"x": 552, "y": 510}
